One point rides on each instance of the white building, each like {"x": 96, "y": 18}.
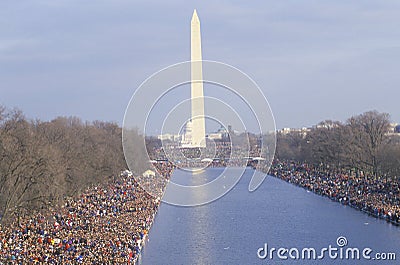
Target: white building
{"x": 169, "y": 137}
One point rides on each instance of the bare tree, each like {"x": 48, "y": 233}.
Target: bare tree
{"x": 360, "y": 143}
{"x": 389, "y": 158}
{"x": 28, "y": 168}
{"x": 369, "y": 134}
{"x": 41, "y": 162}
{"x": 328, "y": 143}
{"x": 290, "y": 146}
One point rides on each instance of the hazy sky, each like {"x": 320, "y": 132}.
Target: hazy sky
{"x": 314, "y": 60}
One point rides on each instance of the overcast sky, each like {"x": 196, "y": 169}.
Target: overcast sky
{"x": 314, "y": 60}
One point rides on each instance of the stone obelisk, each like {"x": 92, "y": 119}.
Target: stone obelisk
{"x": 197, "y": 96}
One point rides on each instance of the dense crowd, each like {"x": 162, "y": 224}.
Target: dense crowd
{"x": 109, "y": 224}
{"x": 105, "y": 225}
{"x": 377, "y": 196}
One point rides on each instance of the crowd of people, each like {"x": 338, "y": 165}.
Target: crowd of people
{"x": 379, "y": 197}
{"x": 109, "y": 224}
{"x": 105, "y": 225}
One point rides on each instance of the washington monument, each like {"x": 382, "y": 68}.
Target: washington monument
{"x": 197, "y": 97}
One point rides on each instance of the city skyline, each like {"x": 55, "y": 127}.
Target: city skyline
{"x": 313, "y": 61}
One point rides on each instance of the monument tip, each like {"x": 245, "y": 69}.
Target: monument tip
{"x": 195, "y": 17}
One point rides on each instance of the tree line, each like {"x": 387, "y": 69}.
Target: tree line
{"x": 41, "y": 162}
{"x": 363, "y": 142}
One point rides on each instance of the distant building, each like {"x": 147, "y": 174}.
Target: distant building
{"x": 221, "y": 134}
{"x": 214, "y": 136}
{"x": 327, "y": 125}
{"x": 285, "y": 130}
{"x": 394, "y": 129}
{"x": 169, "y": 137}
{"x": 303, "y": 131}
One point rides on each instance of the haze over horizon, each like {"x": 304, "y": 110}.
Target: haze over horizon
{"x": 313, "y": 60}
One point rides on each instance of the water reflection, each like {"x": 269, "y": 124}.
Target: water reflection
{"x": 231, "y": 229}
